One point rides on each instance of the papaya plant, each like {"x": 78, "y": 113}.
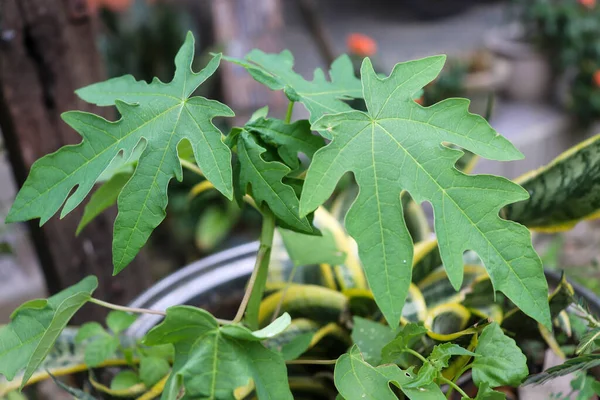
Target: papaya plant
{"x": 394, "y": 312}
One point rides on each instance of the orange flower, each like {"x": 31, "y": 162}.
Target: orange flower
{"x": 588, "y": 3}
{"x": 596, "y": 78}
{"x": 361, "y": 45}
{"x": 113, "y": 5}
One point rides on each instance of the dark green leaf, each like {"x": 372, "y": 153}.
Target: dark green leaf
{"x": 588, "y": 341}
{"x": 29, "y": 337}
{"x": 289, "y": 139}
{"x": 158, "y": 115}
{"x": 76, "y": 393}
{"x": 499, "y": 360}
{"x": 397, "y": 145}
{"x": 265, "y": 179}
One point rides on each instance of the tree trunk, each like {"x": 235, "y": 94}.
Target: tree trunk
{"x": 47, "y": 50}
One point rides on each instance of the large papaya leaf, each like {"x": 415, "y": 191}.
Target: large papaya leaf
{"x": 35, "y": 326}
{"x": 319, "y": 96}
{"x": 212, "y": 361}
{"x": 396, "y": 145}
{"x": 265, "y": 180}
{"x": 563, "y": 192}
{"x": 157, "y": 115}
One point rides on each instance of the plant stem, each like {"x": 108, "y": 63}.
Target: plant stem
{"x": 314, "y": 362}
{"x": 454, "y": 386}
{"x": 458, "y": 375}
{"x": 414, "y": 353}
{"x": 288, "y": 114}
{"x": 190, "y": 166}
{"x": 256, "y": 286}
{"x": 126, "y": 309}
{"x": 142, "y": 310}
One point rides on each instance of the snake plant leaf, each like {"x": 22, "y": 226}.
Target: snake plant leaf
{"x": 289, "y": 139}
{"x": 563, "y": 192}
{"x": 355, "y": 379}
{"x": 210, "y": 362}
{"x": 581, "y": 363}
{"x": 158, "y": 115}
{"x": 397, "y": 145}
{"x": 103, "y": 198}
{"x": 589, "y": 341}
{"x": 29, "y": 337}
{"x": 319, "y": 96}
{"x": 265, "y": 180}
{"x": 499, "y": 360}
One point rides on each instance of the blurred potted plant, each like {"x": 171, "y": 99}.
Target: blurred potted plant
{"x": 475, "y": 77}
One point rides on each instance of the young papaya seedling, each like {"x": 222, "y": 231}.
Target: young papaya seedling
{"x": 394, "y": 313}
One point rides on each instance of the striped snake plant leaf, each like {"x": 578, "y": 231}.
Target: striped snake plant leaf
{"x": 319, "y": 96}
{"x": 563, "y": 192}
{"x": 397, "y": 145}
{"x": 157, "y": 116}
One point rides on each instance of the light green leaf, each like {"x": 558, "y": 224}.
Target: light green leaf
{"x": 295, "y": 339}
{"x": 587, "y": 386}
{"x": 440, "y": 355}
{"x": 485, "y": 393}
{"x": 397, "y": 145}
{"x": 260, "y": 113}
{"x": 499, "y": 360}
{"x": 103, "y": 198}
{"x": 214, "y": 225}
{"x": 211, "y": 364}
{"x": 319, "y": 96}
{"x": 403, "y": 341}
{"x": 157, "y": 114}
{"x": 118, "y": 321}
{"x": 289, "y": 139}
{"x": 100, "y": 350}
{"x": 269, "y": 331}
{"x": 29, "y": 337}
{"x": 264, "y": 178}
{"x": 357, "y": 380}
{"x": 322, "y": 249}
{"x": 153, "y": 369}
{"x": 88, "y": 331}
{"x": 563, "y": 192}
{"x": 371, "y": 337}
{"x": 124, "y": 380}
{"x": 588, "y": 341}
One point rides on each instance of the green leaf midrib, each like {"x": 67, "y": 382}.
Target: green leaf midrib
{"x": 379, "y": 217}
{"x": 148, "y": 191}
{"x": 444, "y": 192}
{"x": 85, "y": 164}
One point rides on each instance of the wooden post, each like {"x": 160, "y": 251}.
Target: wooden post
{"x": 47, "y": 50}
{"x": 240, "y": 26}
